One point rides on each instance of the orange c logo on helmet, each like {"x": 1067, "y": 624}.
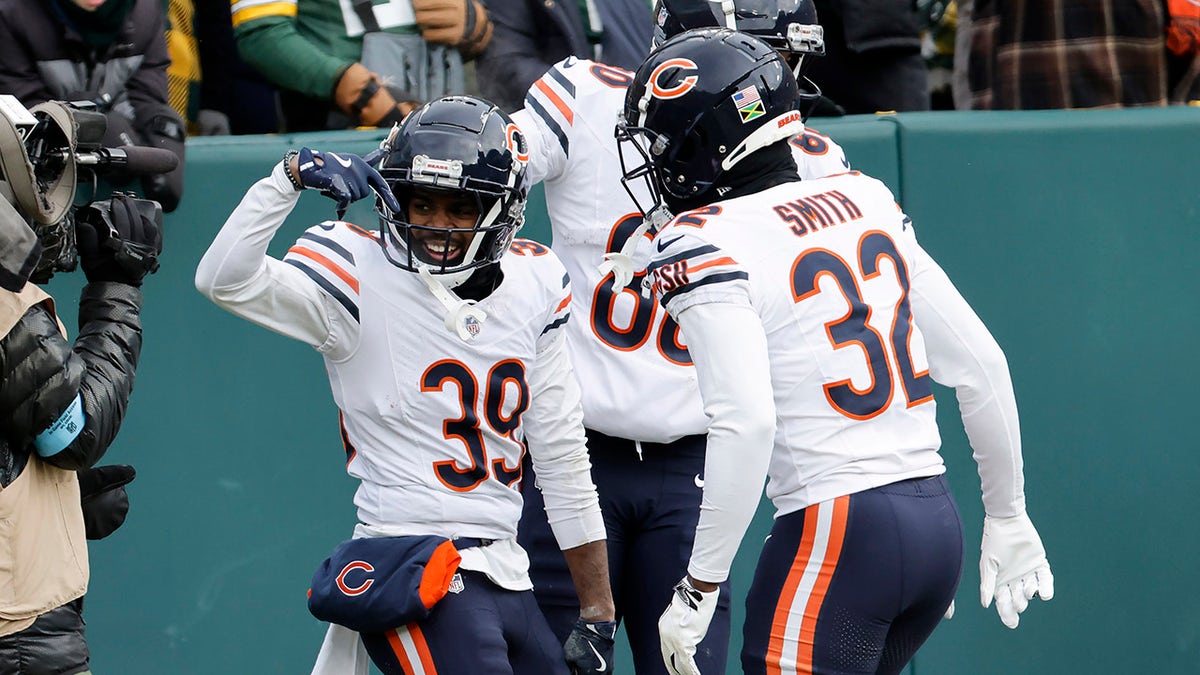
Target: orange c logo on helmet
{"x": 685, "y": 84}
{"x": 515, "y": 142}
{"x": 361, "y": 588}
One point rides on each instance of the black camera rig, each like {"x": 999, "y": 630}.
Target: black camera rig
{"x": 46, "y": 153}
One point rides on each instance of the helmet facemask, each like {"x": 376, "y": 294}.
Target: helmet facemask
{"x": 413, "y": 246}
{"x": 466, "y": 159}
{"x": 636, "y": 147}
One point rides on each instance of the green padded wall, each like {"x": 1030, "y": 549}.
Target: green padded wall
{"x": 1070, "y": 232}
{"x": 1074, "y": 235}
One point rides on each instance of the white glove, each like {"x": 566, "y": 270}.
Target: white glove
{"x": 1012, "y": 567}
{"x": 684, "y": 625}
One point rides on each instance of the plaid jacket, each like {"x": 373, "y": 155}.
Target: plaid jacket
{"x": 1051, "y": 54}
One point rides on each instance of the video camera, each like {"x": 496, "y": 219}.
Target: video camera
{"x": 46, "y": 153}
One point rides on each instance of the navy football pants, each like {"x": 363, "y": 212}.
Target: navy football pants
{"x": 651, "y": 506}
{"x": 483, "y": 629}
{"x": 855, "y": 584}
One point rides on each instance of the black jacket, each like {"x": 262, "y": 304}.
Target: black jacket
{"x": 41, "y": 373}
{"x": 43, "y": 58}
{"x": 530, "y": 36}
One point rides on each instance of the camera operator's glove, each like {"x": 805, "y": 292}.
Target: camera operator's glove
{"x": 1012, "y": 567}
{"x": 103, "y": 498}
{"x": 684, "y": 625}
{"x": 589, "y": 647}
{"x": 119, "y": 239}
{"x": 343, "y": 177}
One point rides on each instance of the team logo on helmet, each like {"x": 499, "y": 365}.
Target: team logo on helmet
{"x": 359, "y": 589}
{"x": 678, "y": 83}
{"x": 516, "y": 143}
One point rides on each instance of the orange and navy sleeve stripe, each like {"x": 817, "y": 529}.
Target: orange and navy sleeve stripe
{"x": 552, "y": 100}
{"x": 684, "y": 265}
{"x": 562, "y": 310}
{"x": 329, "y": 264}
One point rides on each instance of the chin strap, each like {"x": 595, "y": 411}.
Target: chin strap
{"x": 620, "y": 263}
{"x": 463, "y": 318}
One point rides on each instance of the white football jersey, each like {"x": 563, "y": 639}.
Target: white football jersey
{"x": 826, "y": 265}
{"x": 397, "y": 373}
{"x": 637, "y": 376}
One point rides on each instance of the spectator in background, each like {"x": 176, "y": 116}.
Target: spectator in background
{"x": 530, "y": 36}
{"x": 872, "y": 58}
{"x": 185, "y": 74}
{"x": 110, "y": 52}
{"x": 338, "y": 65}
{"x": 1075, "y": 54}
{"x": 625, "y": 28}
{"x": 228, "y": 84}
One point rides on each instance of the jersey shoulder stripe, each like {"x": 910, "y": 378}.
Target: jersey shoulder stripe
{"x": 563, "y": 81}
{"x": 707, "y": 280}
{"x": 685, "y": 262}
{"x": 325, "y": 253}
{"x": 562, "y": 311}
{"x": 350, "y": 305}
{"x": 552, "y": 99}
{"x": 536, "y": 108}
{"x": 695, "y": 252}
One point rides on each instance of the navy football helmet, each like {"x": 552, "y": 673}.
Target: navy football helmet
{"x": 698, "y": 105}
{"x": 790, "y": 26}
{"x": 456, "y": 144}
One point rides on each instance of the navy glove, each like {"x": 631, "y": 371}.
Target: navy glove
{"x": 589, "y": 647}
{"x": 343, "y": 177}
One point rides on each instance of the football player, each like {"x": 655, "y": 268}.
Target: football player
{"x": 641, "y": 405}
{"x": 817, "y": 323}
{"x": 445, "y": 347}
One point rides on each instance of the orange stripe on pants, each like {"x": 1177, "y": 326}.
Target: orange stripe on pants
{"x": 829, "y": 552}
{"x": 422, "y": 649}
{"x": 393, "y": 637}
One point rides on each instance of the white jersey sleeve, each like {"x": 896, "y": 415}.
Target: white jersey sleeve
{"x": 554, "y": 420}
{"x": 237, "y": 274}
{"x": 687, "y": 270}
{"x": 817, "y": 155}
{"x": 560, "y": 115}
{"x": 730, "y": 349}
{"x": 963, "y": 354}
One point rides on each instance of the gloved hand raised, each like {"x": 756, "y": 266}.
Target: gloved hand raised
{"x": 119, "y": 239}
{"x": 589, "y": 647}
{"x": 1012, "y": 567}
{"x": 343, "y": 177}
{"x": 684, "y": 625}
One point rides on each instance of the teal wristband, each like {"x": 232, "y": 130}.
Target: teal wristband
{"x": 64, "y": 430}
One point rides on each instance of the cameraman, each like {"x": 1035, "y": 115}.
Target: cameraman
{"x": 112, "y": 53}
{"x": 61, "y": 404}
